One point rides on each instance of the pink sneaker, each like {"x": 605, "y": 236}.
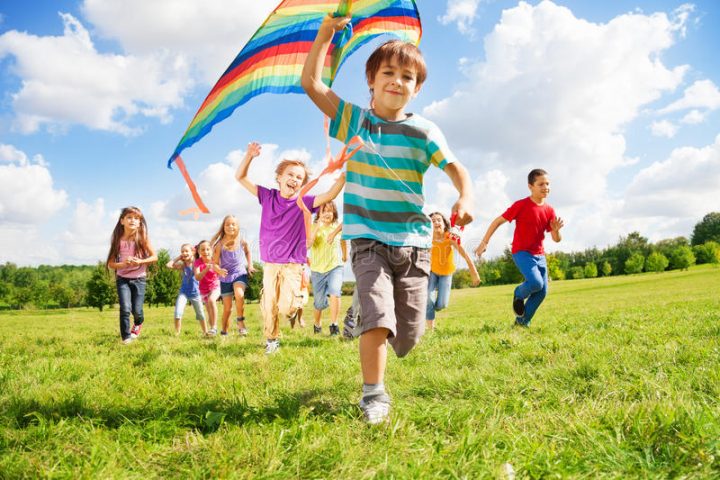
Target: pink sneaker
{"x": 135, "y": 331}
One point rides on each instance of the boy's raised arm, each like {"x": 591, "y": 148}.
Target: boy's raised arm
{"x": 333, "y": 192}
{"x": 311, "y": 79}
{"x": 253, "y": 151}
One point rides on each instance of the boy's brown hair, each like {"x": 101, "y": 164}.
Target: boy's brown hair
{"x": 406, "y": 54}
{"x": 291, "y": 163}
{"x": 534, "y": 173}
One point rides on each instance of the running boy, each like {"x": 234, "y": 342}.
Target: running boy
{"x": 383, "y": 201}
{"x": 533, "y": 217}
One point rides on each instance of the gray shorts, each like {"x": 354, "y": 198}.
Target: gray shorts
{"x": 392, "y": 284}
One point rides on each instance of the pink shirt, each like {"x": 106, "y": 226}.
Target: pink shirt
{"x": 210, "y": 281}
{"x": 531, "y": 223}
{"x": 127, "y": 249}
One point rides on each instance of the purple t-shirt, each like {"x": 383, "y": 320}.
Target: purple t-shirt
{"x": 282, "y": 227}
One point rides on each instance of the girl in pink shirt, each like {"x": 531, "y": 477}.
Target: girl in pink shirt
{"x": 206, "y": 272}
{"x": 129, "y": 255}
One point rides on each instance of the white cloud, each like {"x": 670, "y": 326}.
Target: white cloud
{"x": 701, "y": 94}
{"x": 26, "y": 245}
{"x": 694, "y": 117}
{"x": 684, "y": 186}
{"x": 207, "y": 35}
{"x": 557, "y": 92}
{"x": 663, "y": 128}
{"x": 462, "y": 13}
{"x": 65, "y": 81}
{"x": 87, "y": 237}
{"x": 27, "y": 195}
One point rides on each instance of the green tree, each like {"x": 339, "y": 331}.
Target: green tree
{"x": 163, "y": 283}
{"x": 101, "y": 288}
{"x": 682, "y": 258}
{"x": 707, "y": 229}
{"x": 577, "y": 272}
{"x": 462, "y": 279}
{"x": 708, "y": 252}
{"x": 252, "y": 292}
{"x": 635, "y": 263}
{"x": 509, "y": 272}
{"x": 555, "y": 271}
{"x": 606, "y": 268}
{"x": 656, "y": 262}
{"x": 591, "y": 270}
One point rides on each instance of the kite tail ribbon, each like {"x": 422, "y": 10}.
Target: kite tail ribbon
{"x": 333, "y": 164}
{"x": 191, "y": 185}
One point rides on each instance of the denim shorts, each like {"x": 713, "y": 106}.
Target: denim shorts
{"x": 326, "y": 284}
{"x": 226, "y": 288}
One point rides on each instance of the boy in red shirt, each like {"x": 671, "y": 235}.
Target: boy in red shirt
{"x": 533, "y": 217}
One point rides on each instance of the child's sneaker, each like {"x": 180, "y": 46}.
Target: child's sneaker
{"x": 519, "y": 323}
{"x": 317, "y": 329}
{"x": 223, "y": 333}
{"x": 518, "y": 306}
{"x": 212, "y": 332}
{"x": 272, "y": 346}
{"x": 135, "y": 331}
{"x": 376, "y": 408}
{"x": 243, "y": 332}
{"x": 127, "y": 341}
{"x": 334, "y": 330}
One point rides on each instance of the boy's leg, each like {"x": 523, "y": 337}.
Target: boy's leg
{"x": 334, "y": 292}
{"x": 536, "y": 298}
{"x": 290, "y": 290}
{"x": 319, "y": 283}
{"x": 269, "y": 301}
{"x": 528, "y": 266}
{"x": 412, "y": 268}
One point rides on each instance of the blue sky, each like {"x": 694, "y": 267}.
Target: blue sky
{"x": 617, "y": 100}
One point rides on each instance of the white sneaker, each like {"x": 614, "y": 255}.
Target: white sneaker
{"x": 128, "y": 341}
{"x": 376, "y": 408}
{"x": 243, "y": 332}
{"x": 272, "y": 346}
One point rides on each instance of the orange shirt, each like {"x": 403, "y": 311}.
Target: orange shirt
{"x": 442, "y": 257}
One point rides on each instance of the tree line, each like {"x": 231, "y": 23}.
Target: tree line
{"x": 69, "y": 286}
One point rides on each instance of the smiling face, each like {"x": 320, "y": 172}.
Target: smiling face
{"x": 291, "y": 180}
{"x": 437, "y": 223}
{"x": 186, "y": 253}
{"x": 327, "y": 213}
{"x": 205, "y": 251}
{"x": 230, "y": 227}
{"x": 393, "y": 87}
{"x": 540, "y": 189}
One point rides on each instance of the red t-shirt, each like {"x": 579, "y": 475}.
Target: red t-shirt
{"x": 531, "y": 223}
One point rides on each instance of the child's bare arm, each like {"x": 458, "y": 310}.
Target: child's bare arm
{"x": 311, "y": 80}
{"x": 253, "y": 151}
{"x": 461, "y": 179}
{"x": 248, "y": 257}
{"x": 490, "y": 231}
{"x": 331, "y": 236}
{"x": 175, "y": 263}
{"x": 471, "y": 266}
{"x": 343, "y": 249}
{"x": 333, "y": 192}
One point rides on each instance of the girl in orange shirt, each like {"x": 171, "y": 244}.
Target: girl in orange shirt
{"x": 442, "y": 266}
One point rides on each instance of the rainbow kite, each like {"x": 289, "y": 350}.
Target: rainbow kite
{"x": 272, "y": 61}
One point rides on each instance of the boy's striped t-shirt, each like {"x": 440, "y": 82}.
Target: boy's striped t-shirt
{"x": 384, "y": 197}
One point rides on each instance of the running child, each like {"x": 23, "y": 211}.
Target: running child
{"x": 231, "y": 253}
{"x": 189, "y": 288}
{"x": 383, "y": 201}
{"x": 130, "y": 254}
{"x": 283, "y": 240}
{"x": 206, "y": 272}
{"x": 442, "y": 266}
{"x": 326, "y": 266}
{"x": 533, "y": 217}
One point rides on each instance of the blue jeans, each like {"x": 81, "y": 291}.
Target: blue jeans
{"x": 442, "y": 284}
{"x": 535, "y": 286}
{"x": 324, "y": 285}
{"x": 131, "y": 295}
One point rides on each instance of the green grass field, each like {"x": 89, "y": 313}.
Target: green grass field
{"x": 617, "y": 378}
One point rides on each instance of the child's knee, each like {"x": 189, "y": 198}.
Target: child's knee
{"x": 536, "y": 284}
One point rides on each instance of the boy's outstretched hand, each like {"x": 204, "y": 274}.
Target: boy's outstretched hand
{"x": 333, "y": 24}
{"x": 462, "y": 209}
{"x": 480, "y": 249}
{"x": 253, "y": 149}
{"x": 556, "y": 224}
